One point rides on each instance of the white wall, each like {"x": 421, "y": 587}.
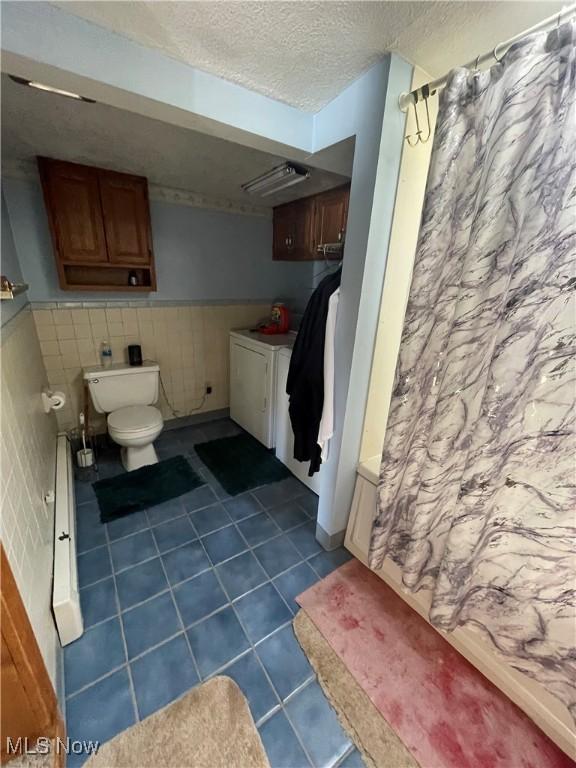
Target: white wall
{"x": 27, "y": 464}
{"x": 401, "y": 253}
{"x": 28, "y": 446}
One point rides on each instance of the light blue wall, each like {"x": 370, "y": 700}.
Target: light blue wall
{"x": 368, "y": 110}
{"x": 369, "y": 107}
{"x": 84, "y": 58}
{"x": 9, "y": 267}
{"x": 200, "y": 254}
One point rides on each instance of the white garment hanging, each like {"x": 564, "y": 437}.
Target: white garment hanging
{"x": 326, "y": 429}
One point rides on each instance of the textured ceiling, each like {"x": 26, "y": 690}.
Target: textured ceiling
{"x": 39, "y": 123}
{"x": 305, "y": 53}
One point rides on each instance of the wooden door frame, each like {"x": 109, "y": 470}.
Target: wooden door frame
{"x": 18, "y": 635}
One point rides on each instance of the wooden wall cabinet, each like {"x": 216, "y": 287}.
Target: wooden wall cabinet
{"x": 293, "y": 231}
{"x": 301, "y": 226}
{"x": 100, "y": 226}
{"x": 330, "y": 216}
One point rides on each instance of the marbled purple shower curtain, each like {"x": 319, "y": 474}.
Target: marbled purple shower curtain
{"x": 476, "y": 494}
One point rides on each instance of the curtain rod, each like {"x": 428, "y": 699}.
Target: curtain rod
{"x": 429, "y": 89}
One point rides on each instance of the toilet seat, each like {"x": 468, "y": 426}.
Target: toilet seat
{"x": 135, "y": 420}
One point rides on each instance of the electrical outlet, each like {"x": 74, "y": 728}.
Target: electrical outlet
{"x": 208, "y": 388}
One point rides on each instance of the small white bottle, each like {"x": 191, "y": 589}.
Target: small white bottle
{"x": 106, "y": 354}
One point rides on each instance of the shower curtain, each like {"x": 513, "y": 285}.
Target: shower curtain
{"x": 476, "y": 492}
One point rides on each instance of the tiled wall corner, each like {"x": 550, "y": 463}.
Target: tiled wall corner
{"x": 190, "y": 343}
{"x": 28, "y": 455}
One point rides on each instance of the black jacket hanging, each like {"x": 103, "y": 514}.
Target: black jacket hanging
{"x": 305, "y": 383}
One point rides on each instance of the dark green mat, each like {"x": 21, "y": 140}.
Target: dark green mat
{"x": 240, "y": 463}
{"x": 145, "y": 487}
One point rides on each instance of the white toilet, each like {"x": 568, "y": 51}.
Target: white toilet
{"x": 127, "y": 393}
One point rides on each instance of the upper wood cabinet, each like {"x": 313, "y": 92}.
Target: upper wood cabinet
{"x": 73, "y": 197}
{"x": 331, "y": 213}
{"x": 293, "y": 231}
{"x": 303, "y": 225}
{"x": 126, "y": 218}
{"x": 100, "y": 226}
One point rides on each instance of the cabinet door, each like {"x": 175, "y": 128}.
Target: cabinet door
{"x": 126, "y": 217}
{"x": 293, "y": 231}
{"x": 331, "y": 215}
{"x": 248, "y": 390}
{"x": 303, "y": 231}
{"x": 284, "y": 240}
{"x": 74, "y": 211}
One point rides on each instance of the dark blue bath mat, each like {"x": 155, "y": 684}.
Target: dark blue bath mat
{"x": 145, "y": 487}
{"x": 240, "y": 463}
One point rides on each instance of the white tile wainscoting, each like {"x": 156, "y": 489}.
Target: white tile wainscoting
{"x": 28, "y": 445}
{"x": 188, "y": 340}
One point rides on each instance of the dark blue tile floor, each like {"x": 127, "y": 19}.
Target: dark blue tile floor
{"x": 198, "y": 586}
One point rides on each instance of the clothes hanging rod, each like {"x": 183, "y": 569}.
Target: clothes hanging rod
{"x": 429, "y": 89}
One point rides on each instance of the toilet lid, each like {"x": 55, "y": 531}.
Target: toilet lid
{"x": 135, "y": 418}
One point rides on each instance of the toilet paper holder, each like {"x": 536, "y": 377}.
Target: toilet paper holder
{"x": 53, "y": 401}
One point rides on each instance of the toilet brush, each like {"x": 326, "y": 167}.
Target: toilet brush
{"x": 85, "y": 456}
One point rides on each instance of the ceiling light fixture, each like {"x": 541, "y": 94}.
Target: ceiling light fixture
{"x": 278, "y": 178}
{"x": 50, "y": 89}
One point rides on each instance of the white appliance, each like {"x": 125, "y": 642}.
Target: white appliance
{"x": 284, "y": 434}
{"x": 127, "y": 394}
{"x": 253, "y": 362}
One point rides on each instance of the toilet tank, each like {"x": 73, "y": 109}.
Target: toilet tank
{"x": 121, "y": 385}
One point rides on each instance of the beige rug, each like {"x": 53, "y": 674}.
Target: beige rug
{"x": 210, "y": 727}
{"x": 378, "y": 743}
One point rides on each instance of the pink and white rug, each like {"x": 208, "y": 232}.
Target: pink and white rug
{"x": 444, "y": 710}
